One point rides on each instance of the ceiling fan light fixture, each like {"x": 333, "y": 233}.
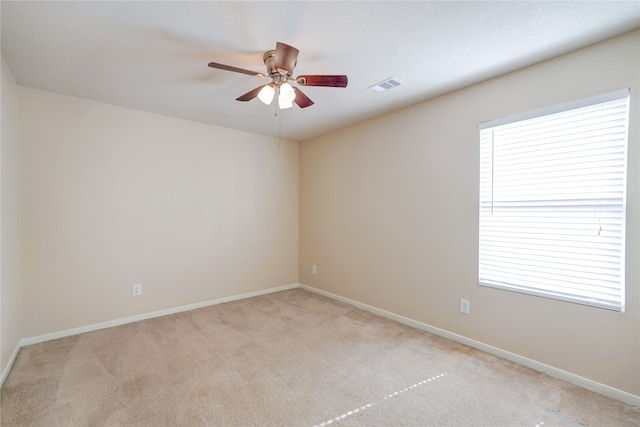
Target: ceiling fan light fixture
{"x": 284, "y": 104}
{"x": 266, "y": 94}
{"x": 287, "y": 94}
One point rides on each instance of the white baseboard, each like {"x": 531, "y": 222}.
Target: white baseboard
{"x": 122, "y": 321}
{"x": 586, "y": 383}
{"x": 5, "y": 373}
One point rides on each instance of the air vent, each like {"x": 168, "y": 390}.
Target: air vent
{"x": 387, "y": 84}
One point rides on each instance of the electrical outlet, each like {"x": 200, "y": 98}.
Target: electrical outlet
{"x": 137, "y": 290}
{"x": 314, "y": 270}
{"x": 464, "y": 306}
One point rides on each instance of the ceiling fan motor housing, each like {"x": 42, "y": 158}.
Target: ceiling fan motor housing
{"x": 269, "y": 59}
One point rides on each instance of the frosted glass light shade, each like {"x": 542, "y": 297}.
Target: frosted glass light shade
{"x": 266, "y": 94}
{"x": 287, "y": 94}
{"x": 284, "y": 104}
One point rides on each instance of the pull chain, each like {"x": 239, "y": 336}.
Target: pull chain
{"x": 279, "y": 126}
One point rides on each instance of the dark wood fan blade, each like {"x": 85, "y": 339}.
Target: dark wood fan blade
{"x": 234, "y": 69}
{"x": 250, "y": 95}
{"x": 286, "y": 58}
{"x": 331, "y": 81}
{"x": 302, "y": 100}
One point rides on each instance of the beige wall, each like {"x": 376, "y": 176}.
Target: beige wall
{"x": 113, "y": 197}
{"x": 9, "y": 220}
{"x": 389, "y": 214}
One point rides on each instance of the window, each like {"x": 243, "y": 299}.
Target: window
{"x": 552, "y": 202}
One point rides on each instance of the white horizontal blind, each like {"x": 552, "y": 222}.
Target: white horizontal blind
{"x": 552, "y": 203}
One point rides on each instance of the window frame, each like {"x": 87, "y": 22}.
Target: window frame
{"x": 540, "y": 291}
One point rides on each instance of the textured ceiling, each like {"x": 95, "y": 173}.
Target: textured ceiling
{"x": 153, "y": 56}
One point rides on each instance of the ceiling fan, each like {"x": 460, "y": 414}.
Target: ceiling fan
{"x": 280, "y": 64}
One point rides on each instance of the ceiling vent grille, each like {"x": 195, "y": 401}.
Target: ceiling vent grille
{"x": 387, "y": 84}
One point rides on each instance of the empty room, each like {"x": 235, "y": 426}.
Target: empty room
{"x": 314, "y": 213}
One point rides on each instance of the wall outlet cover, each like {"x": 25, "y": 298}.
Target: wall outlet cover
{"x": 464, "y": 306}
{"x": 137, "y": 290}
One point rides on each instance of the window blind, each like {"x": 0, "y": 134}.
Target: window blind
{"x": 552, "y": 202}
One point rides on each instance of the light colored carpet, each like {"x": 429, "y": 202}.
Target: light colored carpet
{"x": 291, "y": 358}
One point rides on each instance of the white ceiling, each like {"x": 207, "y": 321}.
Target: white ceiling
{"x": 153, "y": 56}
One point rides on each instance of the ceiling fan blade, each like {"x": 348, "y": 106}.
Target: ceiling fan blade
{"x": 235, "y": 69}
{"x": 302, "y": 100}
{"x": 250, "y": 95}
{"x": 286, "y": 58}
{"x": 330, "y": 81}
